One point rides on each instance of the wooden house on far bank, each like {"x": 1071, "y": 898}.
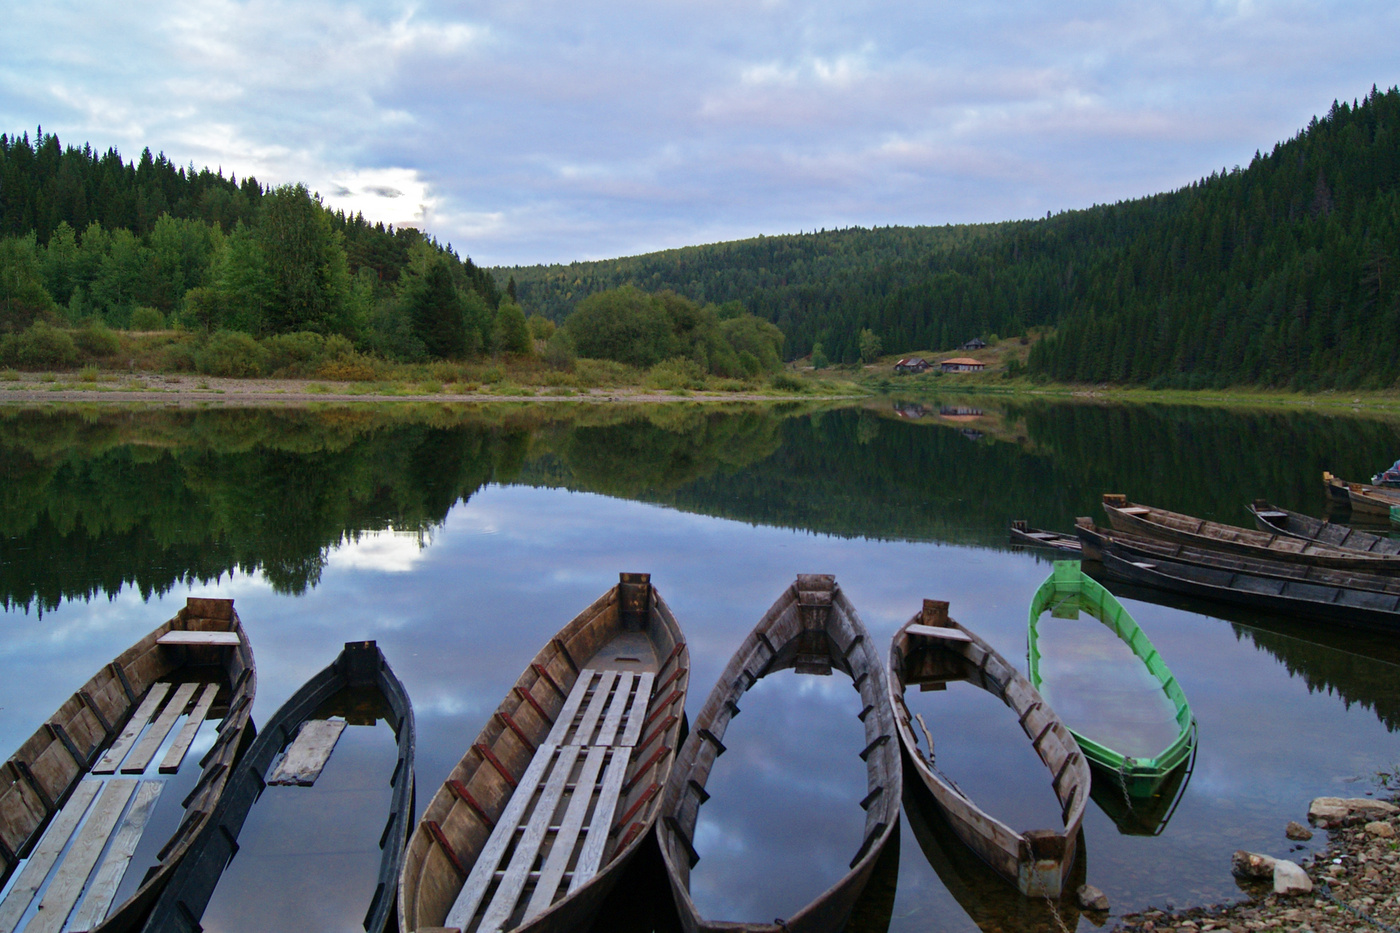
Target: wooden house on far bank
{"x": 962, "y": 364}
{"x": 913, "y": 364}
{"x": 976, "y": 343}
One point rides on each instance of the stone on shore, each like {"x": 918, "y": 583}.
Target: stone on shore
{"x": 1290, "y": 879}
{"x": 1329, "y": 812}
{"x": 1381, "y": 829}
{"x": 1251, "y": 864}
{"x": 1297, "y": 831}
{"x": 1091, "y": 898}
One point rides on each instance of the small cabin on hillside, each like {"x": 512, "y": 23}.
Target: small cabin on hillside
{"x": 976, "y": 343}
{"x": 962, "y": 364}
{"x": 913, "y": 364}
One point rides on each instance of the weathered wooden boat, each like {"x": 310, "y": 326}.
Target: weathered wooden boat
{"x": 534, "y": 825}
{"x": 1282, "y": 521}
{"x": 62, "y": 804}
{"x": 1022, "y": 533}
{"x": 1363, "y": 498}
{"x": 931, "y": 650}
{"x": 1132, "y": 547}
{"x": 1307, "y": 600}
{"x": 1150, "y": 522}
{"x": 812, "y": 628}
{"x": 300, "y": 746}
{"x": 1064, "y": 594}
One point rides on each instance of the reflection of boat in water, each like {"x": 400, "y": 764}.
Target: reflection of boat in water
{"x": 1064, "y": 594}
{"x": 930, "y": 650}
{"x": 536, "y": 823}
{"x": 812, "y": 628}
{"x": 1272, "y": 518}
{"x": 303, "y": 727}
{"x": 1144, "y": 816}
{"x": 977, "y": 888}
{"x": 199, "y": 661}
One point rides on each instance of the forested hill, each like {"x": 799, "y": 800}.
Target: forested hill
{"x": 1280, "y": 273}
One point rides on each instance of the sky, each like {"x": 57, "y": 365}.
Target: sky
{"x": 528, "y": 131}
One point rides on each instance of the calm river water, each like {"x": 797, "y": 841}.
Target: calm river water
{"x": 462, "y": 539}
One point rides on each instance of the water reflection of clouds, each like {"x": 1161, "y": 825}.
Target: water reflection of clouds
{"x": 380, "y": 551}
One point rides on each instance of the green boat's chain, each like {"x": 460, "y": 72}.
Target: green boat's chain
{"x": 1123, "y": 783}
{"x": 1360, "y": 914}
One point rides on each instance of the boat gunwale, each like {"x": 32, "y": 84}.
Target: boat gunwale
{"x": 827, "y": 912}
{"x": 1132, "y": 770}
{"x": 200, "y": 872}
{"x": 540, "y": 670}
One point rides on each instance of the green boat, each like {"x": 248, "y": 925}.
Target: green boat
{"x": 1065, "y": 593}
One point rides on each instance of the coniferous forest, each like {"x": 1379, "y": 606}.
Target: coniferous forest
{"x": 1281, "y": 273}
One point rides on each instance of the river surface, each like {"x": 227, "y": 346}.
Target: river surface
{"x": 461, "y": 539}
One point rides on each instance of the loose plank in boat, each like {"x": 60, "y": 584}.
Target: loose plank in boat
{"x": 308, "y": 753}
{"x": 154, "y": 738}
{"x": 45, "y": 854}
{"x": 138, "y": 721}
{"x": 67, "y": 884}
{"x": 109, "y": 876}
{"x": 185, "y": 739}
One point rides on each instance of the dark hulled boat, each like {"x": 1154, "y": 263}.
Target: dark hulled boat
{"x": 1282, "y": 521}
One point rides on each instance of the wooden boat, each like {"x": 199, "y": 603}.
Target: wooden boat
{"x": 303, "y": 745}
{"x": 1273, "y": 594}
{"x": 812, "y": 628}
{"x": 1145, "y": 816}
{"x": 1132, "y": 547}
{"x": 61, "y": 788}
{"x": 1363, "y": 498}
{"x": 931, "y": 650}
{"x": 567, "y": 773}
{"x": 1282, "y": 521}
{"x": 1064, "y": 593}
{"x": 1146, "y": 521}
{"x": 1022, "y": 533}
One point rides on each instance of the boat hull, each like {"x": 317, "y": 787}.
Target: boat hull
{"x": 1281, "y": 521}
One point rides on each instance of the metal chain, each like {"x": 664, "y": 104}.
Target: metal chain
{"x": 1055, "y": 912}
{"x": 1361, "y": 914}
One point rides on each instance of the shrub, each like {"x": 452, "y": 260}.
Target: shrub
{"x": 352, "y": 367}
{"x": 97, "y": 340}
{"x": 88, "y": 374}
{"x": 676, "y": 373}
{"x": 559, "y": 351}
{"x": 40, "y": 346}
{"x": 232, "y": 353}
{"x": 601, "y": 373}
{"x": 180, "y": 357}
{"x": 144, "y": 318}
{"x": 295, "y": 354}
{"x": 786, "y": 382}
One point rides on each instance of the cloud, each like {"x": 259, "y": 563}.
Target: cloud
{"x": 537, "y": 130}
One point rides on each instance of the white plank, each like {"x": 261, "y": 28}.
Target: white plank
{"x": 597, "y": 839}
{"x": 484, "y": 868}
{"x": 571, "y": 705}
{"x": 42, "y": 859}
{"x": 940, "y": 632}
{"x": 181, "y": 746}
{"x": 615, "y": 709}
{"x": 109, "y": 876}
{"x": 138, "y": 721}
{"x": 200, "y": 639}
{"x": 68, "y": 881}
{"x": 557, "y": 862}
{"x": 507, "y": 895}
{"x": 586, "y": 725}
{"x": 155, "y": 736}
{"x": 637, "y": 715}
{"x": 308, "y": 753}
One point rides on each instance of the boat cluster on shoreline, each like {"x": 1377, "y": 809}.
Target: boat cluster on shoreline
{"x": 588, "y": 760}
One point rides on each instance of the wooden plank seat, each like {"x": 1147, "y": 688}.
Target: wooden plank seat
{"x": 588, "y": 770}
{"x": 200, "y": 639}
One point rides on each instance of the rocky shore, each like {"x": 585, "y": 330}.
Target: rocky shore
{"x": 1353, "y": 884}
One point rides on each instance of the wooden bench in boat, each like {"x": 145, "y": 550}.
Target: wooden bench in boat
{"x": 200, "y": 639}
{"x": 585, "y": 756}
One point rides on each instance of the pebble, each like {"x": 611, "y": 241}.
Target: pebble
{"x": 1296, "y": 830}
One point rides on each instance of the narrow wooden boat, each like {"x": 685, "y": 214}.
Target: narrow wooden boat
{"x": 1132, "y": 547}
{"x": 931, "y": 650}
{"x": 812, "y": 628}
{"x": 1022, "y": 533}
{"x": 62, "y": 789}
{"x": 1363, "y": 498}
{"x": 1281, "y": 521}
{"x": 1064, "y": 593}
{"x": 1307, "y": 600}
{"x": 534, "y": 825}
{"x": 1150, "y": 522}
{"x": 303, "y": 745}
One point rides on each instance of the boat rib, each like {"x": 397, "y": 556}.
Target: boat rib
{"x": 812, "y": 628}
{"x": 932, "y": 649}
{"x": 566, "y": 775}
{"x": 117, "y": 721}
{"x": 1068, "y": 589}
{"x": 1147, "y": 521}
{"x": 360, "y": 665}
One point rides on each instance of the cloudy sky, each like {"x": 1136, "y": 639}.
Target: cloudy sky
{"x": 530, "y": 131}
